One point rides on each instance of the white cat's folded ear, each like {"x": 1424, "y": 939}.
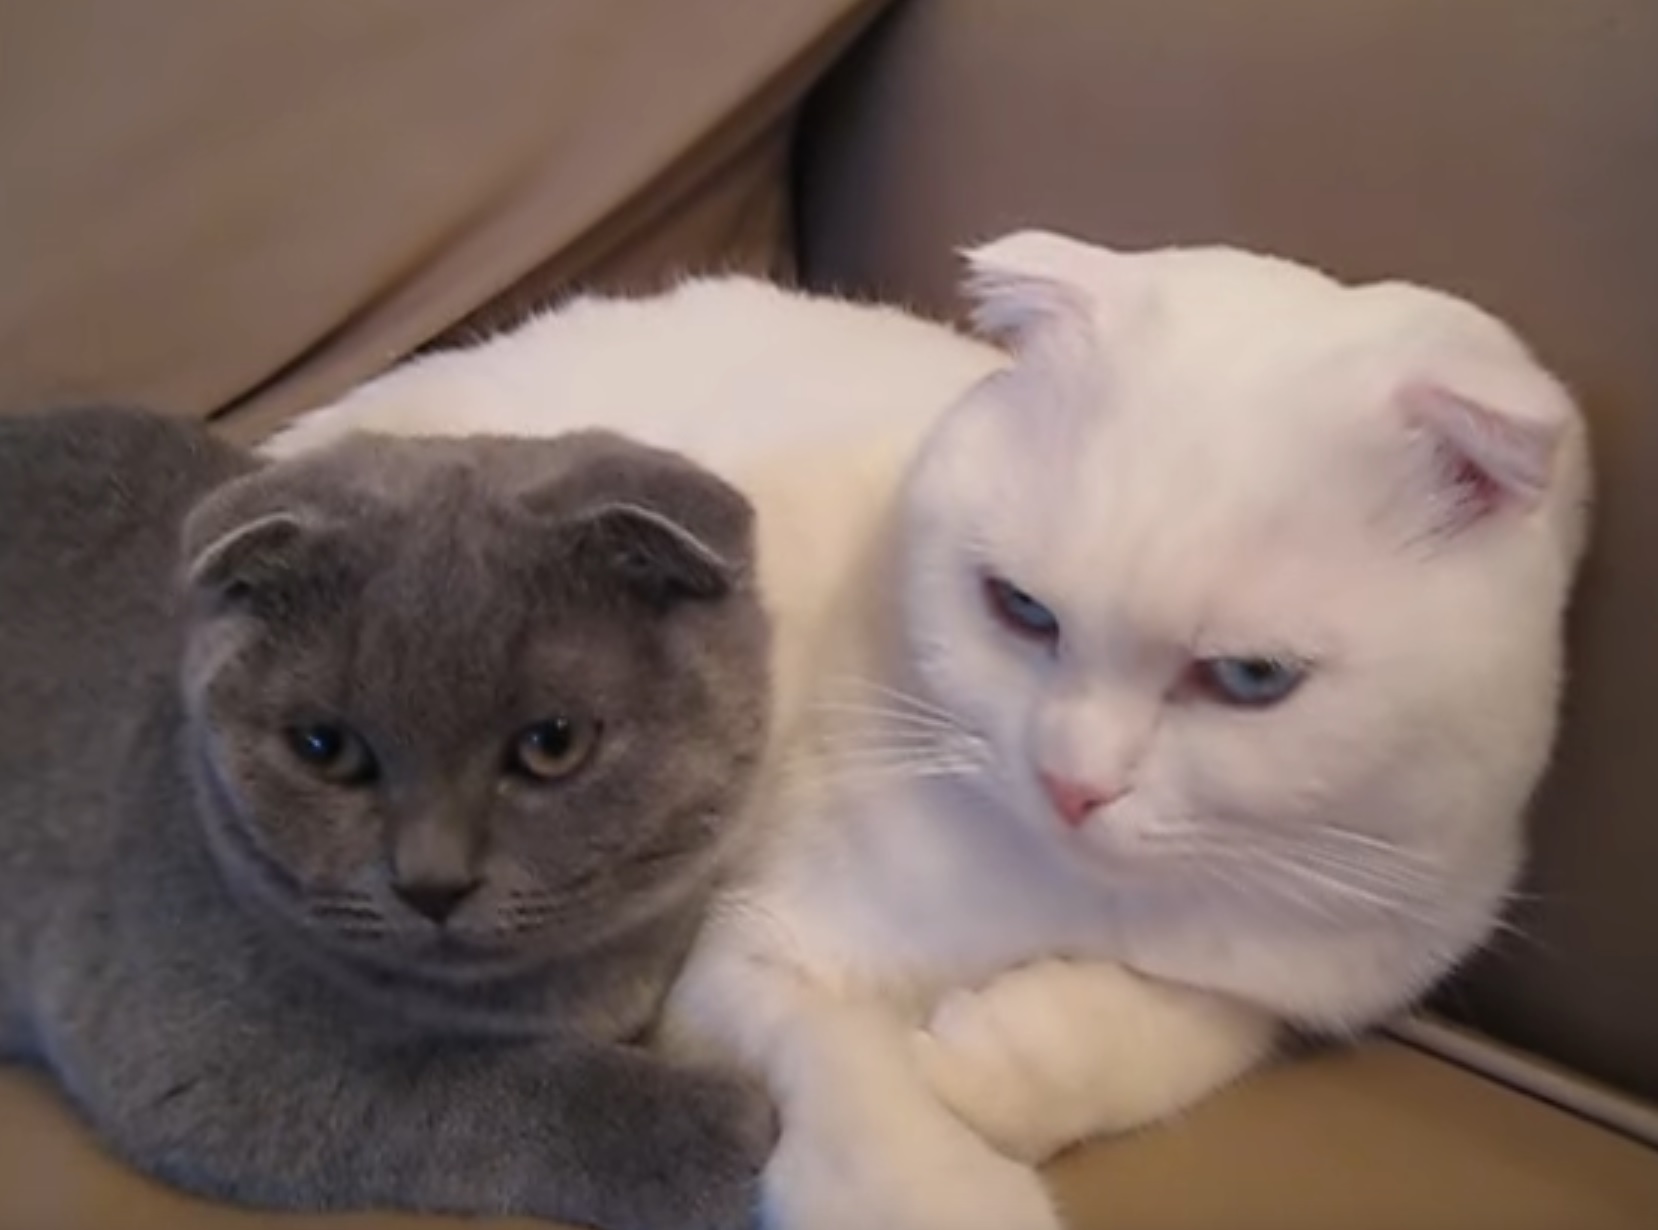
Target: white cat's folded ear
{"x": 1496, "y": 426}
{"x": 1030, "y": 280}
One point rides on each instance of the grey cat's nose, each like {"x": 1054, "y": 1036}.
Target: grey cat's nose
{"x": 435, "y": 899}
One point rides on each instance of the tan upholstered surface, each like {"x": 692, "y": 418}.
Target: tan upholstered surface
{"x": 1382, "y": 1139}
{"x": 1507, "y": 149}
{"x": 252, "y": 205}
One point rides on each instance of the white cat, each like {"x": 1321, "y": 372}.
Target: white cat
{"x": 1177, "y": 675}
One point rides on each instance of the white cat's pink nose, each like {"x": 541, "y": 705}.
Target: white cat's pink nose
{"x": 1074, "y": 801}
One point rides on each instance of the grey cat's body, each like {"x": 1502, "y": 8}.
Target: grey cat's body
{"x": 240, "y": 972}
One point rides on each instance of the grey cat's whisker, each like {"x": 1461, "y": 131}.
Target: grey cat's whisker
{"x": 344, "y": 912}
{"x": 529, "y": 916}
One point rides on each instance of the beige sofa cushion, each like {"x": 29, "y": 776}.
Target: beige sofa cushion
{"x": 248, "y": 206}
{"x": 1382, "y": 1138}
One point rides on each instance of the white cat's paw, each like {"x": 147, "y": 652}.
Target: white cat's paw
{"x": 1055, "y": 1052}
{"x": 948, "y": 1183}
{"x": 1007, "y": 1058}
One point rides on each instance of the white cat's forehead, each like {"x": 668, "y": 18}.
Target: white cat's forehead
{"x": 1227, "y": 494}
{"x": 1239, "y": 446}
{"x": 1180, "y": 544}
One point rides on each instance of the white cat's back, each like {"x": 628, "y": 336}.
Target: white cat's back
{"x": 726, "y": 370}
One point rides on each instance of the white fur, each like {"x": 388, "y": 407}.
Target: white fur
{"x": 1189, "y": 454}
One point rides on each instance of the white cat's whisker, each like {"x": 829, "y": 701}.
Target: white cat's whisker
{"x": 906, "y": 700}
{"x": 1340, "y": 887}
{"x": 1292, "y": 876}
{"x": 898, "y": 762}
{"x": 923, "y": 738}
{"x": 896, "y": 753}
{"x": 881, "y": 713}
{"x": 1235, "y": 871}
{"x": 1375, "y": 864}
{"x": 1375, "y": 873}
{"x": 1368, "y": 841}
{"x": 843, "y": 770}
{"x": 900, "y": 765}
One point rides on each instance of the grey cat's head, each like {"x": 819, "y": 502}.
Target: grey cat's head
{"x": 462, "y": 706}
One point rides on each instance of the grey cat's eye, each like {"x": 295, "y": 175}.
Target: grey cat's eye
{"x": 1249, "y": 683}
{"x": 552, "y": 749}
{"x": 335, "y": 753}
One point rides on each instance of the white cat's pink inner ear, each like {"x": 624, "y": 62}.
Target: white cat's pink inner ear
{"x": 1499, "y": 458}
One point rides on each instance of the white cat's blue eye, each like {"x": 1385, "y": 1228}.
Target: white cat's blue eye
{"x": 1251, "y": 683}
{"x": 1019, "y": 612}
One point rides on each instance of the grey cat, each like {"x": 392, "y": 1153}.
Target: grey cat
{"x": 355, "y": 812}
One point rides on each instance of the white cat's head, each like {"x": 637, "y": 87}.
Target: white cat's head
{"x": 1251, "y": 583}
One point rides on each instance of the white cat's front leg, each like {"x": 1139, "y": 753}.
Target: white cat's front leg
{"x": 867, "y": 1146}
{"x": 1055, "y": 1052}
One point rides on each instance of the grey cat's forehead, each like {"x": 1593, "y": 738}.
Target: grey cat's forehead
{"x": 453, "y": 580}
{"x": 401, "y": 471}
{"x": 446, "y": 633}
{"x": 407, "y": 483}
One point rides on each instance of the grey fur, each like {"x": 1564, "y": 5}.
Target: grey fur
{"x": 203, "y": 941}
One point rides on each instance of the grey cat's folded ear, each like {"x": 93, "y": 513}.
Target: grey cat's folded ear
{"x": 650, "y": 553}
{"x": 237, "y": 551}
{"x": 660, "y": 525}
